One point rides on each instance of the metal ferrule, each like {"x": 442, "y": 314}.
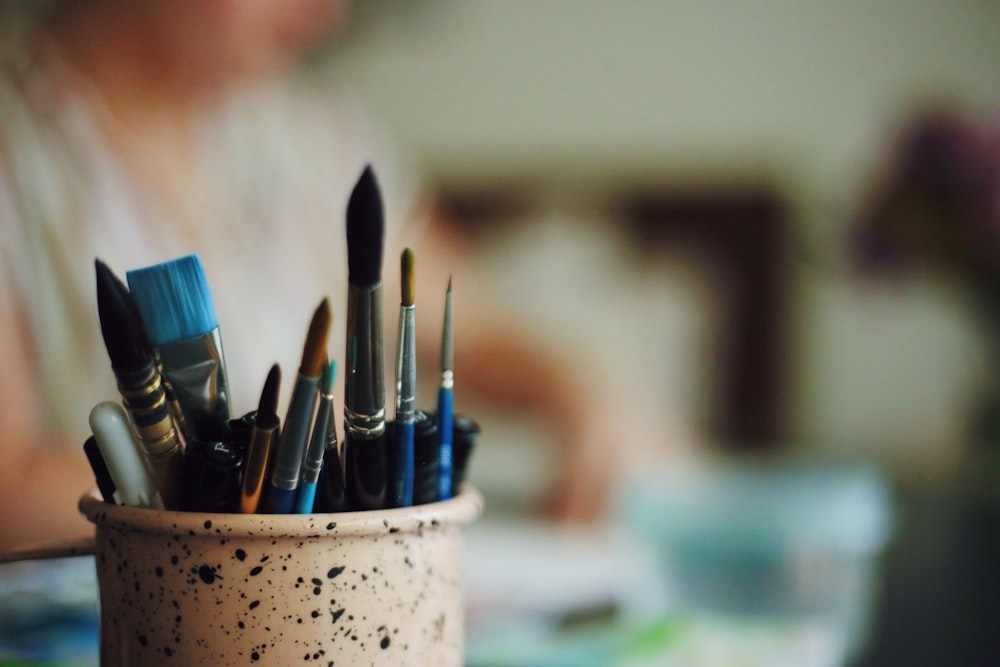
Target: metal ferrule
{"x": 360, "y": 426}
{"x": 313, "y": 461}
{"x": 143, "y": 396}
{"x": 196, "y": 370}
{"x": 295, "y": 434}
{"x": 364, "y": 400}
{"x": 254, "y": 473}
{"x": 406, "y": 367}
{"x": 447, "y": 379}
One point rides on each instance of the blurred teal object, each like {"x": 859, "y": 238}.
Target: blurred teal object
{"x": 49, "y": 613}
{"x": 769, "y": 541}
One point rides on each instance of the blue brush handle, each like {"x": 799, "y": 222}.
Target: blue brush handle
{"x": 305, "y": 498}
{"x": 280, "y": 501}
{"x": 444, "y": 430}
{"x": 402, "y": 472}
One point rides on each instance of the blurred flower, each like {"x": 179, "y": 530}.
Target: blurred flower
{"x": 937, "y": 202}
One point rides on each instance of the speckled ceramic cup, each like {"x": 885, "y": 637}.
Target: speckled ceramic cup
{"x": 356, "y": 588}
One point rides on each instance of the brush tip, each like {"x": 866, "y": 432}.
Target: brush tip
{"x": 124, "y": 335}
{"x": 314, "y": 353}
{"x": 174, "y": 300}
{"x": 267, "y": 409}
{"x": 407, "y": 276}
{"x": 328, "y": 377}
{"x": 365, "y": 231}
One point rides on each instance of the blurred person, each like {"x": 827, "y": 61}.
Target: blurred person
{"x": 138, "y": 132}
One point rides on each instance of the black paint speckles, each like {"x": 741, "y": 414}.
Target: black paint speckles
{"x": 384, "y": 643}
{"x": 336, "y": 615}
{"x": 159, "y": 571}
{"x": 240, "y": 554}
{"x": 254, "y": 604}
{"x": 255, "y": 656}
{"x": 208, "y": 574}
{"x": 256, "y": 570}
{"x": 331, "y": 525}
{"x": 334, "y": 571}
{"x": 208, "y": 524}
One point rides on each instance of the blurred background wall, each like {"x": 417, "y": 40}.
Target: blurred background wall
{"x": 673, "y": 183}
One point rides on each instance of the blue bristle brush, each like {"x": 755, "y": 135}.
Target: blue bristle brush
{"x": 179, "y": 314}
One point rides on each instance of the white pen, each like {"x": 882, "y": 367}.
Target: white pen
{"x": 120, "y": 448}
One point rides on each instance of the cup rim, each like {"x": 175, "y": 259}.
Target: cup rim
{"x": 461, "y": 509}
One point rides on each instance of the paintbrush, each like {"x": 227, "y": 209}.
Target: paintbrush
{"x": 179, "y": 313}
{"x": 266, "y": 427}
{"x": 313, "y": 462}
{"x": 280, "y": 495}
{"x": 401, "y": 455}
{"x": 134, "y": 365}
{"x": 365, "y": 440}
{"x": 444, "y": 402}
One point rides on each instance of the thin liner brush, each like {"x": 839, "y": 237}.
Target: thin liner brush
{"x": 263, "y": 439}
{"x": 313, "y": 463}
{"x": 365, "y": 440}
{"x": 179, "y": 313}
{"x": 401, "y": 460}
{"x": 280, "y": 496}
{"x": 139, "y": 383}
{"x": 444, "y": 402}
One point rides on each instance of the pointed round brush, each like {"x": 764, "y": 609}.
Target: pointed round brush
{"x": 401, "y": 461}
{"x": 139, "y": 383}
{"x": 365, "y": 442}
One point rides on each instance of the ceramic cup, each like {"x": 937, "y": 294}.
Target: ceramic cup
{"x": 354, "y": 588}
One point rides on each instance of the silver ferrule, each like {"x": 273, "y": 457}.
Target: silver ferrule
{"x": 196, "y": 370}
{"x": 364, "y": 381}
{"x": 406, "y": 366}
{"x": 313, "y": 461}
{"x": 362, "y": 426}
{"x": 295, "y": 434}
{"x": 447, "y": 379}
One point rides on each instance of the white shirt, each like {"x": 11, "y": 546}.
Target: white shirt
{"x": 270, "y": 229}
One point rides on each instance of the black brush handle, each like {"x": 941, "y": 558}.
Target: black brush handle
{"x": 366, "y": 469}
{"x": 331, "y": 496}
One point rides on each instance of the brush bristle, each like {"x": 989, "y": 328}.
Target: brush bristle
{"x": 267, "y": 409}
{"x": 365, "y": 231}
{"x": 408, "y": 278}
{"x": 124, "y": 335}
{"x": 174, "y": 299}
{"x": 447, "y": 338}
{"x": 314, "y": 351}
{"x": 329, "y": 375}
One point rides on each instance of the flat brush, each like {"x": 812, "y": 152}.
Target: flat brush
{"x": 444, "y": 402}
{"x": 401, "y": 455}
{"x": 280, "y": 496}
{"x": 365, "y": 440}
{"x": 179, "y": 313}
{"x": 263, "y": 439}
{"x": 133, "y": 363}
